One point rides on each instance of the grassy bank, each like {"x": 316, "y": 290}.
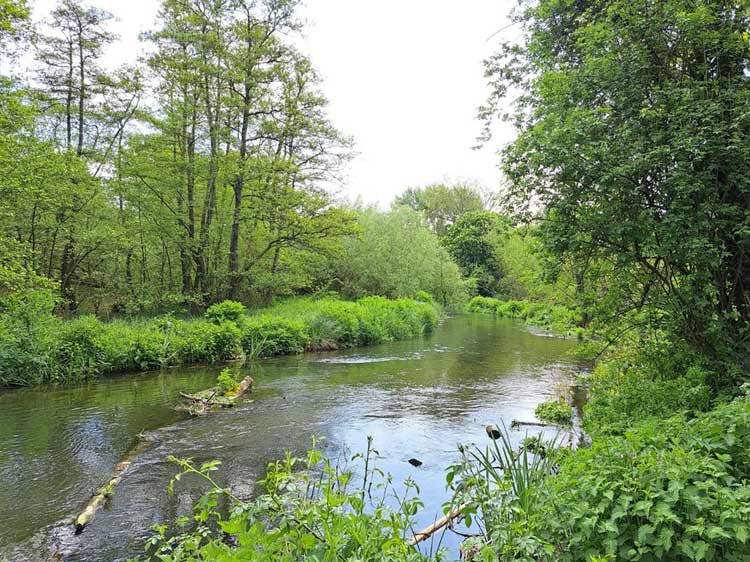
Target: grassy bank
{"x": 36, "y": 347}
{"x": 556, "y": 318}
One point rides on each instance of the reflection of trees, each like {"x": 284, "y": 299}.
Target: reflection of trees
{"x": 481, "y": 360}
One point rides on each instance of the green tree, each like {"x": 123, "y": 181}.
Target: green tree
{"x": 633, "y": 141}
{"x": 471, "y": 243}
{"x": 397, "y": 255}
{"x": 442, "y": 205}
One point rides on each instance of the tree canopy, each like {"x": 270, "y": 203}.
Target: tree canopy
{"x": 632, "y": 149}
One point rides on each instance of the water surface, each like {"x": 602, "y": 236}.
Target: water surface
{"x": 417, "y": 399}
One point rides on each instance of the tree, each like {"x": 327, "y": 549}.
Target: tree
{"x": 397, "y": 255}
{"x": 633, "y": 140}
{"x": 471, "y": 243}
{"x": 69, "y": 67}
{"x": 442, "y": 204}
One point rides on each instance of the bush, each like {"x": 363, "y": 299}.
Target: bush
{"x": 36, "y": 347}
{"x": 311, "y": 510}
{"x": 225, "y": 382}
{"x": 28, "y": 335}
{"x": 264, "y": 336}
{"x": 226, "y": 311}
{"x": 623, "y": 394}
{"x": 80, "y": 353}
{"x": 557, "y": 412}
{"x": 556, "y": 318}
{"x": 206, "y": 342}
{"x": 666, "y": 490}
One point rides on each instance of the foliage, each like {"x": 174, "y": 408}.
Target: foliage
{"x": 27, "y": 337}
{"x": 396, "y": 255}
{"x": 232, "y": 311}
{"x": 331, "y": 324}
{"x": 312, "y": 509}
{"x": 668, "y": 489}
{"x": 502, "y": 491}
{"x": 443, "y": 205}
{"x": 266, "y": 335}
{"x": 557, "y": 318}
{"x": 470, "y": 242}
{"x": 631, "y": 151}
{"x": 225, "y": 381}
{"x": 557, "y": 412}
{"x": 37, "y": 347}
{"x": 650, "y": 379}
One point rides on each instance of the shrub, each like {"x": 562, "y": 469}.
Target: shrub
{"x": 80, "y": 353}
{"x": 557, "y": 412}
{"x": 225, "y": 381}
{"x": 312, "y": 509}
{"x": 264, "y": 336}
{"x": 623, "y": 393}
{"x": 206, "y": 342}
{"x": 36, "y": 347}
{"x": 556, "y": 318}
{"x": 226, "y": 310}
{"x": 424, "y": 296}
{"x": 28, "y": 335}
{"x": 666, "y": 490}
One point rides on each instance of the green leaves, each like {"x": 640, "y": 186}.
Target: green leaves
{"x": 308, "y": 514}
{"x": 630, "y": 151}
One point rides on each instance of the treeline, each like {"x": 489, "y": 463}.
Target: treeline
{"x": 200, "y": 175}
{"x": 190, "y": 178}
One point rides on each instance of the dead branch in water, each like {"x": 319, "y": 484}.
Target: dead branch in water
{"x": 430, "y": 530}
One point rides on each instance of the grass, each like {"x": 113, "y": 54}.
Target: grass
{"x": 556, "y": 318}
{"x": 36, "y": 347}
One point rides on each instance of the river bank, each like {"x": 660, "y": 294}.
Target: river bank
{"x": 37, "y": 347}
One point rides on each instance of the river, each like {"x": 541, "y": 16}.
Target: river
{"x": 417, "y": 398}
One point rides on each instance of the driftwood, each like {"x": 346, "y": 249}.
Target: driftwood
{"x": 100, "y": 497}
{"x": 519, "y": 423}
{"x": 201, "y": 402}
{"x": 430, "y": 530}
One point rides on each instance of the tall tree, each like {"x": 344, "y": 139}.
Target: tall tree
{"x": 634, "y": 140}
{"x": 442, "y": 204}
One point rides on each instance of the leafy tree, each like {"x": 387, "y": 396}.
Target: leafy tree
{"x": 632, "y": 144}
{"x": 396, "y": 255}
{"x": 441, "y": 204}
{"x": 471, "y": 243}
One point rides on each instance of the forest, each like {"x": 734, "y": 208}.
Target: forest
{"x": 188, "y": 210}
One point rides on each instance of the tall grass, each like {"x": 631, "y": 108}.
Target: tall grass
{"x": 556, "y": 318}
{"x": 36, "y": 347}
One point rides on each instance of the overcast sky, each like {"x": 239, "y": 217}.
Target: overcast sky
{"x": 404, "y": 78}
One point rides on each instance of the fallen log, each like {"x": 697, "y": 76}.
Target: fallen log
{"x": 519, "y": 423}
{"x": 430, "y": 530}
{"x": 100, "y": 497}
{"x": 201, "y": 402}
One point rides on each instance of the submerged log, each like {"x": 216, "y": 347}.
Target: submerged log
{"x": 201, "y": 402}
{"x": 100, "y": 497}
{"x": 519, "y": 423}
{"x": 430, "y": 530}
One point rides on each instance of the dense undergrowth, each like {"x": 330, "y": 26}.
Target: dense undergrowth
{"x": 37, "y": 347}
{"x": 556, "y": 318}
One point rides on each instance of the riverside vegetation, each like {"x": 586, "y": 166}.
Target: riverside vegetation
{"x": 624, "y": 220}
{"x": 37, "y": 347}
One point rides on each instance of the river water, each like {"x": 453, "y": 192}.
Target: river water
{"x": 418, "y": 398}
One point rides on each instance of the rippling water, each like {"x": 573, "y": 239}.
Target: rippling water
{"x": 417, "y": 399}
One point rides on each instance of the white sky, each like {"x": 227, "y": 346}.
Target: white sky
{"x": 404, "y": 78}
